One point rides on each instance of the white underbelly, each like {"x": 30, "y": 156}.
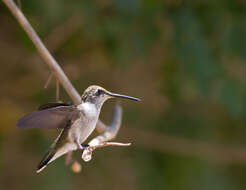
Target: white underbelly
{"x": 83, "y": 127}
{"x": 81, "y": 130}
{"x": 85, "y": 131}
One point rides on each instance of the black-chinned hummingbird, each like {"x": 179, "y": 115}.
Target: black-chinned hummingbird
{"x": 76, "y": 121}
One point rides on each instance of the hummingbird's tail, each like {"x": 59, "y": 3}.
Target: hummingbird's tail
{"x": 55, "y": 153}
{"x": 57, "y": 149}
{"x": 45, "y": 161}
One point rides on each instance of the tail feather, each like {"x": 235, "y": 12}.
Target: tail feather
{"x": 54, "y": 154}
{"x": 45, "y": 161}
{"x": 57, "y": 149}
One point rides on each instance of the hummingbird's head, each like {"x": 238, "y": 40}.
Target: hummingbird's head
{"x": 98, "y": 95}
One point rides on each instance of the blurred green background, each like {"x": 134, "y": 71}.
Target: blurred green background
{"x": 185, "y": 59}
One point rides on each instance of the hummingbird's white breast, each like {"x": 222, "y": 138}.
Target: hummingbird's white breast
{"x": 84, "y": 126}
{"x": 88, "y": 109}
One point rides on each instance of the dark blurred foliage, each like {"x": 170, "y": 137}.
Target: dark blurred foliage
{"x": 186, "y": 60}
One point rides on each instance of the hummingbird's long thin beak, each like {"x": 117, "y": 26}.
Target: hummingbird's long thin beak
{"x": 122, "y": 96}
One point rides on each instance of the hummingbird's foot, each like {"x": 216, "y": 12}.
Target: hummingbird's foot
{"x": 85, "y": 146}
{"x": 81, "y": 146}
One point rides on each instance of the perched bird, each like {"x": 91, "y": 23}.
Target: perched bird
{"x": 76, "y": 121}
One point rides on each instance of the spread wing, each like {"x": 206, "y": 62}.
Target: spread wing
{"x": 50, "y": 118}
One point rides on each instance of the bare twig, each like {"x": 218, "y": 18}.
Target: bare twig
{"x": 109, "y": 132}
{"x": 48, "y": 80}
{"x": 87, "y": 153}
{"x": 57, "y": 90}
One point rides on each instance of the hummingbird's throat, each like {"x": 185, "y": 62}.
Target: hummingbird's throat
{"x": 88, "y": 109}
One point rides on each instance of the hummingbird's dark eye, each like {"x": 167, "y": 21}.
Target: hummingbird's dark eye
{"x": 99, "y": 92}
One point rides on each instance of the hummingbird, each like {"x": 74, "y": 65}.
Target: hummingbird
{"x": 76, "y": 121}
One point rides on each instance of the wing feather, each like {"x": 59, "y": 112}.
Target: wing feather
{"x": 52, "y": 118}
